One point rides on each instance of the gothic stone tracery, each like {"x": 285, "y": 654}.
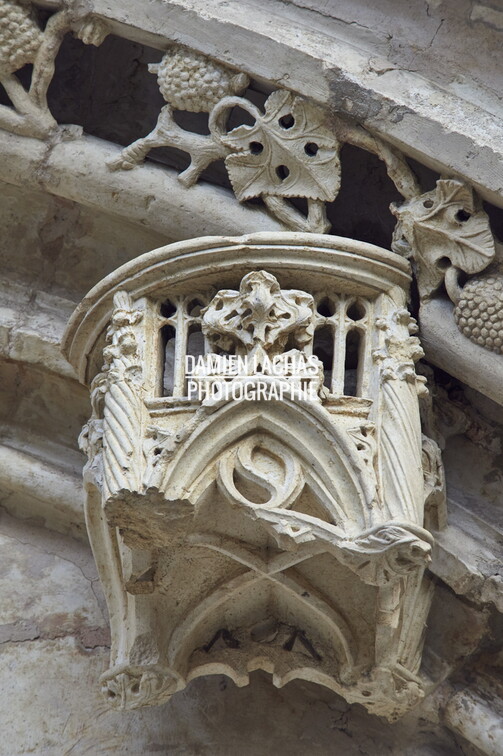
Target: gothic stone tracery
{"x": 234, "y": 535}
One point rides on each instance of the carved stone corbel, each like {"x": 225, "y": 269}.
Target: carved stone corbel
{"x": 280, "y": 530}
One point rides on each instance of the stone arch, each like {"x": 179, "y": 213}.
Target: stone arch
{"x": 330, "y": 462}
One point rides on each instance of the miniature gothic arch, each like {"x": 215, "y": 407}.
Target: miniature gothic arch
{"x": 277, "y": 524}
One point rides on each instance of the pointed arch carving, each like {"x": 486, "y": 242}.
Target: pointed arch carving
{"x": 304, "y": 429}
{"x": 280, "y": 531}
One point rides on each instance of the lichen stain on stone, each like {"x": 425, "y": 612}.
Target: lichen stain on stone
{"x": 349, "y": 97}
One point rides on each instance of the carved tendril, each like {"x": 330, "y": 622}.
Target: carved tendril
{"x": 30, "y": 115}
{"x": 290, "y": 151}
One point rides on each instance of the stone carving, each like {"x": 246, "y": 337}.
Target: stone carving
{"x": 21, "y": 42}
{"x": 291, "y": 150}
{"x": 260, "y": 318}
{"x": 131, "y": 688}
{"x": 276, "y": 533}
{"x": 479, "y": 305}
{"x": 278, "y": 487}
{"x": 455, "y": 416}
{"x": 447, "y": 234}
{"x": 116, "y": 401}
{"x": 400, "y": 383}
{"x": 191, "y": 81}
{"x": 399, "y": 353}
{"x": 444, "y": 228}
{"x": 435, "y": 503}
{"x": 187, "y": 81}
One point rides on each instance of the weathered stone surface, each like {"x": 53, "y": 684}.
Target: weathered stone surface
{"x": 57, "y": 592}
{"x": 211, "y": 717}
{"x": 53, "y": 647}
{"x": 424, "y": 78}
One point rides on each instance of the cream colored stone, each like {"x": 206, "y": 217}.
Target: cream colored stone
{"x": 188, "y": 81}
{"x": 278, "y": 505}
{"x": 434, "y": 94}
{"x": 447, "y": 347}
{"x": 211, "y": 716}
{"x": 425, "y": 78}
{"x": 478, "y": 716}
{"x": 444, "y": 231}
{"x": 149, "y": 197}
{"x": 447, "y": 235}
{"x": 24, "y": 42}
{"x": 290, "y": 151}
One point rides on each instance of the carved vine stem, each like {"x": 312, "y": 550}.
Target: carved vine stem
{"x": 29, "y": 44}
{"x": 202, "y": 149}
{"x": 396, "y": 165}
{"x": 290, "y": 151}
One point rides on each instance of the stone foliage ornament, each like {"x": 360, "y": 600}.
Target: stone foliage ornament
{"x": 23, "y": 41}
{"x": 291, "y": 150}
{"x": 192, "y": 82}
{"x": 446, "y": 229}
{"x": 447, "y": 235}
{"x": 258, "y": 319}
{"x": 283, "y": 533}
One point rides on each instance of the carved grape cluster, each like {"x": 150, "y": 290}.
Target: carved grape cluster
{"x": 20, "y": 36}
{"x": 190, "y": 81}
{"x": 478, "y": 313}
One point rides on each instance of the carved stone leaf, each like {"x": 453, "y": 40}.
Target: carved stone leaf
{"x": 469, "y": 244}
{"x": 445, "y": 224}
{"x": 288, "y": 152}
{"x": 449, "y": 191}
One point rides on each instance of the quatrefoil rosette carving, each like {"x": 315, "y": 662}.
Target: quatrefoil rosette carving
{"x": 234, "y": 535}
